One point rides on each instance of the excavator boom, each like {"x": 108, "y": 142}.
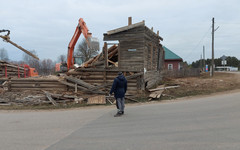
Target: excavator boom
{"x": 80, "y": 29}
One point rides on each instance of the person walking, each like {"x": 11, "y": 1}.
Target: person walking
{"x": 119, "y": 88}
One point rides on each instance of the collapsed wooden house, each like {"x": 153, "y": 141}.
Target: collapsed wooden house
{"x": 137, "y": 53}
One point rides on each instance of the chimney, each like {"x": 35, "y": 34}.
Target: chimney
{"x": 129, "y": 21}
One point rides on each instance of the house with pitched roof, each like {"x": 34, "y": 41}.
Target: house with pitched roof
{"x": 172, "y": 60}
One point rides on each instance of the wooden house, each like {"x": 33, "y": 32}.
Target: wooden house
{"x": 139, "y": 47}
{"x": 136, "y": 52}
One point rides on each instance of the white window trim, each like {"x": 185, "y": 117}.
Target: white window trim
{"x": 170, "y": 68}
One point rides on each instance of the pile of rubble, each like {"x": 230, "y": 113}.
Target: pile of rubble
{"x": 46, "y": 98}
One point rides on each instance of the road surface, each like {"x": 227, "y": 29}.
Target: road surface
{"x": 209, "y": 123}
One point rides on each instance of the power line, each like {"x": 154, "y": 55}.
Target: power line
{"x": 199, "y": 42}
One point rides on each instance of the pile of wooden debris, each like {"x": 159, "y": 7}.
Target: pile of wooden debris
{"x": 45, "y": 97}
{"x": 55, "y": 91}
{"x": 98, "y": 61}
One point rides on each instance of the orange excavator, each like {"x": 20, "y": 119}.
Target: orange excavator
{"x": 80, "y": 29}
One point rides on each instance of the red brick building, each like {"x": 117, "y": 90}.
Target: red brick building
{"x": 172, "y": 60}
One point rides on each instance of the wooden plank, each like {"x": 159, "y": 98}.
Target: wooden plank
{"x": 126, "y": 28}
{"x": 38, "y": 89}
{"x": 14, "y": 44}
{"x": 105, "y": 55}
{"x": 115, "y": 64}
{"x": 163, "y": 88}
{"x": 80, "y": 70}
{"x": 34, "y": 80}
{"x": 99, "y": 99}
{"x": 110, "y": 55}
{"x": 50, "y": 98}
{"x": 119, "y": 55}
{"x": 104, "y": 76}
{"x": 82, "y": 88}
{"x": 151, "y": 56}
{"x": 110, "y": 83}
{"x": 131, "y": 99}
{"x": 79, "y": 81}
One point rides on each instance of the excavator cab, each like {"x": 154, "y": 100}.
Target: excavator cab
{"x": 32, "y": 72}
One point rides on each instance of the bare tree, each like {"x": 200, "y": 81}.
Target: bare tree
{"x": 46, "y": 67}
{"x": 85, "y": 52}
{"x": 62, "y": 58}
{"x": 3, "y": 55}
{"x": 32, "y": 62}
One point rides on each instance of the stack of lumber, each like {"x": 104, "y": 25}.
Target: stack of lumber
{"x": 12, "y": 69}
{"x": 158, "y": 92}
{"x": 98, "y": 61}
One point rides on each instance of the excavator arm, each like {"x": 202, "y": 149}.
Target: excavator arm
{"x": 80, "y": 29}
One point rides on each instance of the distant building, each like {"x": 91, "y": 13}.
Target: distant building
{"x": 172, "y": 60}
{"x": 226, "y": 68}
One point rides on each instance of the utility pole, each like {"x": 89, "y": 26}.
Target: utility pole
{"x": 204, "y": 64}
{"x": 212, "y": 67}
{"x": 201, "y": 64}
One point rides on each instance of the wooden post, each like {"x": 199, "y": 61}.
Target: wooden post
{"x": 119, "y": 56}
{"x": 75, "y": 87}
{"x": 204, "y": 64}
{"x": 213, "y": 65}
{"x": 9, "y": 85}
{"x": 151, "y": 56}
{"x": 105, "y": 77}
{"x": 129, "y": 21}
{"x": 18, "y": 72}
{"x": 24, "y": 72}
{"x": 105, "y": 55}
{"x": 5, "y": 71}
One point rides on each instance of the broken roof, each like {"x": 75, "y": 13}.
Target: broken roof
{"x": 128, "y": 27}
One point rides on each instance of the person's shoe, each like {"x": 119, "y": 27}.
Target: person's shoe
{"x": 118, "y": 114}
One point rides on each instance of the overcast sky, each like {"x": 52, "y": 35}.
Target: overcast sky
{"x": 47, "y": 26}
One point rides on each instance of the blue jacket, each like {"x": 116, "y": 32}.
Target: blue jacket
{"x": 119, "y": 87}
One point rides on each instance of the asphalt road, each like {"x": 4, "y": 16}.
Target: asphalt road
{"x": 209, "y": 123}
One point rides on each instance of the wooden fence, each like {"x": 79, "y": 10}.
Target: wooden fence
{"x": 189, "y": 72}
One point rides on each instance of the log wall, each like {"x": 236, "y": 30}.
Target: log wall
{"x": 35, "y": 84}
{"x": 97, "y": 77}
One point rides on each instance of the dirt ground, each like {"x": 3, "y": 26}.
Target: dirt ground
{"x": 203, "y": 85}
